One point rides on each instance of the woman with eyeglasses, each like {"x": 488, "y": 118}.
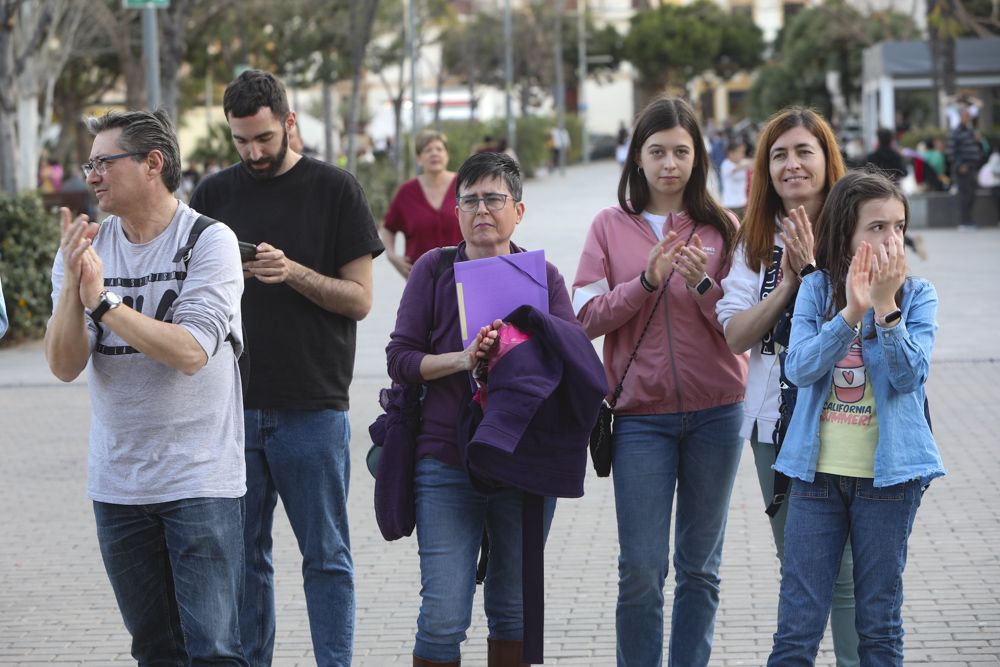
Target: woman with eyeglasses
{"x": 796, "y": 164}
{"x": 648, "y": 281}
{"x": 451, "y": 515}
{"x": 422, "y": 209}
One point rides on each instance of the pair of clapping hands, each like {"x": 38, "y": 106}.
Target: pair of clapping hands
{"x": 688, "y": 259}
{"x": 876, "y": 274}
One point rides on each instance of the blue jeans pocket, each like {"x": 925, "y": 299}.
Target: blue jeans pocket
{"x": 865, "y": 488}
{"x": 818, "y": 488}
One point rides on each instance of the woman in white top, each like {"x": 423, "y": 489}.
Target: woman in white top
{"x": 796, "y": 164}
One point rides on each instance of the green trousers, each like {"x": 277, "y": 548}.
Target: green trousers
{"x": 845, "y": 636}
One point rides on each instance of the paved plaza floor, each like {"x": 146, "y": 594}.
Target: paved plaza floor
{"x": 56, "y": 607}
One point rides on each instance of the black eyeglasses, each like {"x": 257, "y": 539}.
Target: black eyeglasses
{"x": 100, "y": 164}
{"x": 494, "y": 202}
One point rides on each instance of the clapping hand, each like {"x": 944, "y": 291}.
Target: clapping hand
{"x": 798, "y": 237}
{"x": 661, "y": 258}
{"x": 691, "y": 262}
{"x": 77, "y": 236}
{"x": 888, "y": 274}
{"x": 858, "y": 287}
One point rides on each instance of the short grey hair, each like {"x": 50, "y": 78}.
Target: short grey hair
{"x": 144, "y": 132}
{"x": 489, "y": 165}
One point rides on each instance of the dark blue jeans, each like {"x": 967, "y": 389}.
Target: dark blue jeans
{"x": 451, "y": 516}
{"x": 822, "y": 515}
{"x": 304, "y": 457}
{"x": 696, "y": 453}
{"x": 177, "y": 572}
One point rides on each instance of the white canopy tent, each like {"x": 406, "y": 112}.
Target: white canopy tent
{"x": 892, "y": 66}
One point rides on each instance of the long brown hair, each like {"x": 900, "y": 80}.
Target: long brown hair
{"x": 837, "y": 222}
{"x": 763, "y": 204}
{"x": 666, "y": 113}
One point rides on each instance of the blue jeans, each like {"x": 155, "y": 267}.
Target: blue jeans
{"x": 845, "y": 636}
{"x": 697, "y": 453}
{"x": 821, "y": 517}
{"x": 177, "y": 572}
{"x": 451, "y": 516}
{"x": 304, "y": 457}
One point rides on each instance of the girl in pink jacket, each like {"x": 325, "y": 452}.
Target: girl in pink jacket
{"x": 651, "y": 270}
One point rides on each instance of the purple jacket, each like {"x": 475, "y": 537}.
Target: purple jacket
{"x": 542, "y": 402}
{"x": 447, "y": 396}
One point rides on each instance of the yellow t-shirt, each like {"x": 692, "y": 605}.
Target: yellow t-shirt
{"x": 848, "y": 424}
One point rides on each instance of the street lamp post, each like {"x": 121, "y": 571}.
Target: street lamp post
{"x": 411, "y": 42}
{"x": 508, "y": 72}
{"x": 151, "y": 52}
{"x": 581, "y": 87}
{"x": 560, "y": 89}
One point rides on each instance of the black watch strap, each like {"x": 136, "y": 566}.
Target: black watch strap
{"x": 806, "y": 270}
{"x": 97, "y": 313}
{"x": 104, "y": 306}
{"x": 705, "y": 285}
{"x": 892, "y": 316}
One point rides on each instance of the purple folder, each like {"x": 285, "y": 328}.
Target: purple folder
{"x": 489, "y": 289}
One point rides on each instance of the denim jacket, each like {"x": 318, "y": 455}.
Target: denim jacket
{"x": 897, "y": 360}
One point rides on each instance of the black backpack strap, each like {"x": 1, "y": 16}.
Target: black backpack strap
{"x": 446, "y": 260}
{"x": 184, "y": 255}
{"x": 184, "y": 252}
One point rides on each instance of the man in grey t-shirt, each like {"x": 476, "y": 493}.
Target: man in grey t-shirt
{"x": 161, "y": 331}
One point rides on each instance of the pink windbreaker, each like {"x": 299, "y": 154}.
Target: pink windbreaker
{"x": 683, "y": 363}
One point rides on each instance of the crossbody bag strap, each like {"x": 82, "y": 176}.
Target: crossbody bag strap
{"x": 635, "y": 351}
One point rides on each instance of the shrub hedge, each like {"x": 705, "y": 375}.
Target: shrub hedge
{"x": 29, "y": 239}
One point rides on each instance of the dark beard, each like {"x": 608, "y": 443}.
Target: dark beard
{"x": 274, "y": 164}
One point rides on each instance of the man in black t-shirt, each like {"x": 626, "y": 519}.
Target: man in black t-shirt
{"x": 310, "y": 283}
{"x": 887, "y": 158}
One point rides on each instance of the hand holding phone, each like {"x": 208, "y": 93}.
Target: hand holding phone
{"x": 248, "y": 252}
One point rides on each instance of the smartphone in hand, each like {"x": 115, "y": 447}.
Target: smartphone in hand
{"x": 248, "y": 252}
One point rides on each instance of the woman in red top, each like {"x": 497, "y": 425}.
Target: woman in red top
{"x": 423, "y": 209}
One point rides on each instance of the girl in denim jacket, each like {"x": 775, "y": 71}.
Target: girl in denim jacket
{"x": 859, "y": 447}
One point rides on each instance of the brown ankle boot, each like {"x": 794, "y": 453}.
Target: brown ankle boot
{"x": 421, "y": 662}
{"x": 505, "y": 653}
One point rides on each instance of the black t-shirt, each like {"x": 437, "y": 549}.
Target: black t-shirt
{"x": 890, "y": 162}
{"x": 301, "y": 356}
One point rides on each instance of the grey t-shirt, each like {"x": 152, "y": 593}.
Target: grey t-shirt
{"x": 156, "y": 434}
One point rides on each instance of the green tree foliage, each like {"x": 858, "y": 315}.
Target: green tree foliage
{"x": 29, "y": 238}
{"x": 473, "y": 50}
{"x": 827, "y": 37}
{"x": 670, "y": 44}
{"x": 216, "y": 145}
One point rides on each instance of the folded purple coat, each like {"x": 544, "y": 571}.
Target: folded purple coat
{"x": 544, "y": 397}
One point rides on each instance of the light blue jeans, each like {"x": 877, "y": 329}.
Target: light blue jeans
{"x": 177, "y": 572}
{"x": 304, "y": 457}
{"x": 822, "y": 515}
{"x": 451, "y": 516}
{"x": 845, "y": 636}
{"x": 696, "y": 453}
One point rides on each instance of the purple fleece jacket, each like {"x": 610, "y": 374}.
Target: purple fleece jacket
{"x": 408, "y": 345}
